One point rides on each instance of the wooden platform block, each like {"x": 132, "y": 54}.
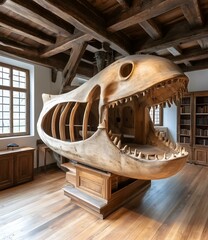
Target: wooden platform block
{"x": 102, "y": 193}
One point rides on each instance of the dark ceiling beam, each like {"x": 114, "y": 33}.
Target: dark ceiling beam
{"x": 194, "y": 55}
{"x": 65, "y": 44}
{"x": 141, "y": 13}
{"x": 175, "y": 51}
{"x": 188, "y": 64}
{"x": 203, "y": 43}
{"x": 57, "y": 62}
{"x": 31, "y": 11}
{"x": 180, "y": 33}
{"x": 84, "y": 20}
{"x": 16, "y": 45}
{"x": 192, "y": 13}
{"x": 23, "y": 29}
{"x": 70, "y": 69}
{"x": 124, "y": 4}
{"x": 151, "y": 28}
{"x": 199, "y": 65}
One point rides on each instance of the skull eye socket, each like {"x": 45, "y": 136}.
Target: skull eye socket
{"x": 126, "y": 70}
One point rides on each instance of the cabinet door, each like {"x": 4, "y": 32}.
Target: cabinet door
{"x": 201, "y": 156}
{"x": 6, "y": 171}
{"x": 23, "y": 169}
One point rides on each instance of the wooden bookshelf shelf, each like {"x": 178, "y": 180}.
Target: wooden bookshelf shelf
{"x": 193, "y": 126}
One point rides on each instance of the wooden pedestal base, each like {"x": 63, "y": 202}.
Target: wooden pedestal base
{"x": 99, "y": 192}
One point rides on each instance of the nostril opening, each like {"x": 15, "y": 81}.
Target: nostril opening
{"x": 126, "y": 70}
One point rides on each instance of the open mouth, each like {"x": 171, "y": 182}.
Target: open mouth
{"x": 129, "y": 126}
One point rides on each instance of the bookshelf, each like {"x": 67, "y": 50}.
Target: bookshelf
{"x": 193, "y": 126}
{"x": 185, "y": 123}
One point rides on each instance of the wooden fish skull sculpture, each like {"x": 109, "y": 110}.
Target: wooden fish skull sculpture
{"x": 78, "y": 125}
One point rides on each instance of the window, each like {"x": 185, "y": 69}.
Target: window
{"x": 14, "y": 101}
{"x": 156, "y": 114}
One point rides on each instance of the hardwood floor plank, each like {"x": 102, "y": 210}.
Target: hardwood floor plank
{"x": 175, "y": 208}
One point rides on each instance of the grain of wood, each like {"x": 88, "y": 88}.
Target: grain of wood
{"x": 174, "y": 208}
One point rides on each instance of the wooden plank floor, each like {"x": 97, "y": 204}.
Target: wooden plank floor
{"x": 171, "y": 209}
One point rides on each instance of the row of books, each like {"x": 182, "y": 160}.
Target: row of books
{"x": 203, "y": 142}
{"x": 202, "y": 109}
{"x": 185, "y": 121}
{"x": 185, "y": 109}
{"x": 184, "y": 139}
{"x": 201, "y": 132}
{"x": 185, "y": 100}
{"x": 202, "y": 120}
{"x": 185, "y": 131}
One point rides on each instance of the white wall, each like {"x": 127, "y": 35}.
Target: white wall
{"x": 40, "y": 80}
{"x": 198, "y": 81}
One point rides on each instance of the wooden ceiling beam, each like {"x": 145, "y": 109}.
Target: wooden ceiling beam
{"x": 141, "y": 13}
{"x": 151, "y": 29}
{"x": 188, "y": 64}
{"x": 65, "y": 44}
{"x": 124, "y": 4}
{"x": 18, "y": 46}
{"x": 203, "y": 43}
{"x": 58, "y": 62}
{"x": 192, "y": 13}
{"x": 178, "y": 34}
{"x": 175, "y": 51}
{"x": 22, "y": 29}
{"x": 31, "y": 11}
{"x": 70, "y": 69}
{"x": 194, "y": 55}
{"x": 200, "y": 65}
{"x": 84, "y": 20}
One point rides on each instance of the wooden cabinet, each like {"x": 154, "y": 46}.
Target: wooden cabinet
{"x": 193, "y": 126}
{"x": 16, "y": 166}
{"x": 201, "y": 156}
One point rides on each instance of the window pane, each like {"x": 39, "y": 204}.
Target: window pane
{"x": 16, "y": 94}
{"x": 16, "y": 130}
{"x": 5, "y": 76}
{"x": 19, "y": 112}
{"x": 6, "y": 130}
{"x": 22, "y": 109}
{"x": 6, "y": 100}
{"x": 155, "y": 114}
{"x": 6, "y": 115}
{"x": 19, "y": 79}
{"x": 22, "y": 129}
{"x": 16, "y": 108}
{"x": 4, "y": 111}
{"x": 16, "y": 84}
{"x": 22, "y": 95}
{"x": 22, "y": 85}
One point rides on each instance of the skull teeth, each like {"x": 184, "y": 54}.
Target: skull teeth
{"x": 136, "y": 154}
{"x": 151, "y": 92}
{"x": 176, "y": 151}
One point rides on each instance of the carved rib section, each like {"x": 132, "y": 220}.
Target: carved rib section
{"x": 71, "y": 121}
{"x": 55, "y": 121}
{"x": 62, "y": 122}
{"x": 85, "y": 120}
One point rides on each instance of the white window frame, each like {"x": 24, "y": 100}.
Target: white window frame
{"x": 17, "y": 89}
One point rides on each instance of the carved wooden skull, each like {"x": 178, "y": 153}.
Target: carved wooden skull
{"x": 105, "y": 123}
